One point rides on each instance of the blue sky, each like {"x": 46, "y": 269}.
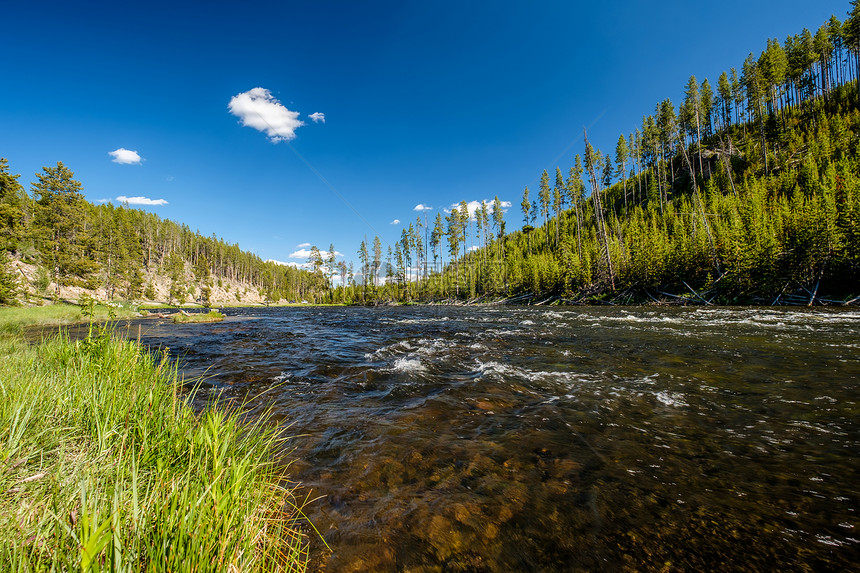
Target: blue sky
{"x": 424, "y": 103}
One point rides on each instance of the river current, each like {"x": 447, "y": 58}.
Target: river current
{"x": 556, "y": 439}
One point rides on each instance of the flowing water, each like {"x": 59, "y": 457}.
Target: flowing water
{"x": 572, "y": 439}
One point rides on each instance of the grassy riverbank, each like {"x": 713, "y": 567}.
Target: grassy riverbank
{"x": 14, "y": 318}
{"x": 103, "y": 466}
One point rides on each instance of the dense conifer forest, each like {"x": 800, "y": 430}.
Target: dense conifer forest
{"x": 747, "y": 191}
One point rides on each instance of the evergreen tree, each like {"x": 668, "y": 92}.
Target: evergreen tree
{"x": 436, "y": 237}
{"x": 737, "y": 94}
{"x": 13, "y": 202}
{"x": 692, "y": 109}
{"x": 558, "y": 193}
{"x": 707, "y": 104}
{"x": 363, "y": 258}
{"x": 59, "y": 217}
{"x": 725, "y": 100}
{"x": 621, "y": 153}
{"x": 544, "y": 198}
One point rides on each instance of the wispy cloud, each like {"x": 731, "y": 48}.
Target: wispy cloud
{"x": 395, "y": 222}
{"x": 125, "y": 156}
{"x": 303, "y": 245}
{"x": 141, "y": 200}
{"x": 259, "y": 109}
{"x": 422, "y": 207}
{"x": 317, "y": 117}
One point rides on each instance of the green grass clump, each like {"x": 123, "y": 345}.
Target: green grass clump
{"x": 105, "y": 467}
{"x": 211, "y": 316}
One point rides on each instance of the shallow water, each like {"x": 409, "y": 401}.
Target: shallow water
{"x": 584, "y": 439}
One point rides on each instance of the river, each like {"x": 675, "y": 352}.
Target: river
{"x": 557, "y": 439}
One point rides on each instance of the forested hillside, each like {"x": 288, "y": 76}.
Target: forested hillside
{"x": 118, "y": 253}
{"x": 746, "y": 191}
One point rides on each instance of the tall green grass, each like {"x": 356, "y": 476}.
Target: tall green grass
{"x": 104, "y": 467}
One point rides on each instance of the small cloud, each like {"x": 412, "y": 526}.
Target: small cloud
{"x": 169, "y": 178}
{"x": 421, "y": 207}
{"x": 395, "y": 222}
{"x": 303, "y": 245}
{"x": 305, "y": 253}
{"x": 475, "y": 205}
{"x": 259, "y": 109}
{"x": 103, "y": 201}
{"x": 317, "y": 117}
{"x": 289, "y": 264}
{"x": 141, "y": 200}
{"x": 472, "y": 206}
{"x": 300, "y": 254}
{"x": 474, "y": 248}
{"x": 125, "y": 156}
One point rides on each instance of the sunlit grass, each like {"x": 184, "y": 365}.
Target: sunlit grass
{"x": 104, "y": 467}
{"x": 14, "y": 318}
{"x": 211, "y": 316}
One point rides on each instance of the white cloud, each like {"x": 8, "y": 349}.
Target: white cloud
{"x": 421, "y": 207}
{"x": 317, "y": 117}
{"x": 305, "y": 253}
{"x": 474, "y": 248}
{"x": 125, "y": 156}
{"x": 259, "y": 109}
{"x": 303, "y": 245}
{"x": 395, "y": 222}
{"x": 290, "y": 264}
{"x": 140, "y": 200}
{"x": 474, "y": 205}
{"x": 300, "y": 254}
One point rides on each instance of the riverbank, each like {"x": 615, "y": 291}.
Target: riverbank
{"x": 14, "y": 318}
{"x": 103, "y": 465}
